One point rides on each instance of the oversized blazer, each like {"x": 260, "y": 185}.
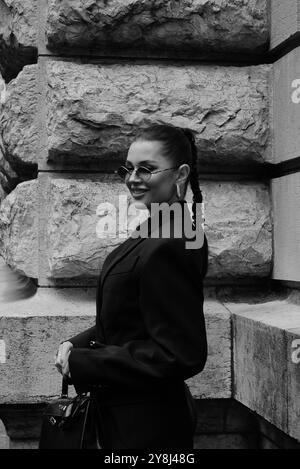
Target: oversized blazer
{"x": 150, "y": 329}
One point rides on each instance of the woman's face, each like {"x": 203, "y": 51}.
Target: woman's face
{"x": 161, "y": 187}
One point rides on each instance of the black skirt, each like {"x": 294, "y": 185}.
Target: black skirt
{"x": 156, "y": 419}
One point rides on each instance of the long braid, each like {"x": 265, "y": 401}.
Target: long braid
{"x": 193, "y": 179}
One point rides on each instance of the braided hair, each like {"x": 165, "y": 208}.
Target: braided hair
{"x": 178, "y": 144}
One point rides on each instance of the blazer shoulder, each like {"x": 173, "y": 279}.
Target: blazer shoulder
{"x": 176, "y": 248}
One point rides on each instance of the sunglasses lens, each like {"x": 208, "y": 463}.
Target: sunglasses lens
{"x": 143, "y": 173}
{"x": 122, "y": 172}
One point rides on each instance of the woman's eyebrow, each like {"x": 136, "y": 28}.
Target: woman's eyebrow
{"x": 142, "y": 162}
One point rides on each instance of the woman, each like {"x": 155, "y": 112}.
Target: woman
{"x": 150, "y": 331}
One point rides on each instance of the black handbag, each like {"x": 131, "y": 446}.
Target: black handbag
{"x": 71, "y": 422}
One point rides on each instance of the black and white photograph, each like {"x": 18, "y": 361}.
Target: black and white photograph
{"x": 149, "y": 227}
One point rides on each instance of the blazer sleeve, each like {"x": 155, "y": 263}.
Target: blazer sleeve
{"x": 83, "y": 339}
{"x": 171, "y": 303}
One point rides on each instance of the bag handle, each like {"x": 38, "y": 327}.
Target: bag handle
{"x": 64, "y": 387}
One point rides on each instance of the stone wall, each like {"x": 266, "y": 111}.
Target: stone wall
{"x": 79, "y": 79}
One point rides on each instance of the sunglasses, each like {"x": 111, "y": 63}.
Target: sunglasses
{"x": 141, "y": 172}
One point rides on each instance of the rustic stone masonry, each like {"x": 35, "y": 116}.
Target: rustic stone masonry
{"x": 78, "y": 79}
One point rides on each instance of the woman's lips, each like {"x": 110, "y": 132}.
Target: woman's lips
{"x": 138, "y": 192}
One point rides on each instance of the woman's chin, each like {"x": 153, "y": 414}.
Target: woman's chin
{"x": 138, "y": 204}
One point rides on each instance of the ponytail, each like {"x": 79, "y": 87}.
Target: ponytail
{"x": 193, "y": 179}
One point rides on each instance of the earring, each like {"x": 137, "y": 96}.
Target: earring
{"x": 178, "y": 190}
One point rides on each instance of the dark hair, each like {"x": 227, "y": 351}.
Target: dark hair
{"x": 178, "y": 144}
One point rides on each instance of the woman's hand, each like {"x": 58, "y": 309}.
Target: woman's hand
{"x": 62, "y": 358}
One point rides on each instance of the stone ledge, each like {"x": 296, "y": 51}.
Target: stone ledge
{"x": 265, "y": 378}
{"x": 31, "y": 338}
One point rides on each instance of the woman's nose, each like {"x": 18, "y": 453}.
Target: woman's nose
{"x": 133, "y": 176}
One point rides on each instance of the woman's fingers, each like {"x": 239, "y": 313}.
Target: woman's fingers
{"x": 62, "y": 356}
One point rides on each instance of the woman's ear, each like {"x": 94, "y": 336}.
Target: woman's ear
{"x": 183, "y": 173}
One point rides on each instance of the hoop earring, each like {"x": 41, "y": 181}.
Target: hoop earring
{"x": 178, "y": 190}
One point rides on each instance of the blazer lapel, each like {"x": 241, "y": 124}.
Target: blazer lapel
{"x": 124, "y": 252}
{"x": 125, "y": 249}
{"x": 131, "y": 243}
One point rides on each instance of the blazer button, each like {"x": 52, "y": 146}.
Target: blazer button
{"x": 92, "y": 343}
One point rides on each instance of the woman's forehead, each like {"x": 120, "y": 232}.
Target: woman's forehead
{"x": 145, "y": 151}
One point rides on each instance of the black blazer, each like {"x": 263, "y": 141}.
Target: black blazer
{"x": 150, "y": 325}
{"x": 150, "y": 330}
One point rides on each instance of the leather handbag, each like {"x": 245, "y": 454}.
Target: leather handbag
{"x": 71, "y": 422}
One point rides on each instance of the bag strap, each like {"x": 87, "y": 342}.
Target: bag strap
{"x": 64, "y": 387}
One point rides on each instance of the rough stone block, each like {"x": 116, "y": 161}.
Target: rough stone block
{"x": 18, "y": 119}
{"x": 19, "y": 229}
{"x": 18, "y": 35}
{"x": 65, "y": 213}
{"x": 239, "y": 229}
{"x": 286, "y": 210}
{"x": 92, "y": 111}
{"x": 75, "y": 244}
{"x": 196, "y": 27}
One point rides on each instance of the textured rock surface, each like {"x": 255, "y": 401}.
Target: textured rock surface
{"x": 18, "y": 35}
{"x": 206, "y": 384}
{"x": 163, "y": 25}
{"x": 31, "y": 339}
{"x": 74, "y": 245}
{"x": 237, "y": 224}
{"x": 17, "y": 120}
{"x": 95, "y": 110}
{"x": 8, "y": 177}
{"x": 19, "y": 229}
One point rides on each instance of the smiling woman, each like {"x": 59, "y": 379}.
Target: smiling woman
{"x": 150, "y": 333}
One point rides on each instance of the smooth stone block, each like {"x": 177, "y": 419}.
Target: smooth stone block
{"x": 284, "y": 21}
{"x": 286, "y": 107}
{"x": 286, "y": 216}
{"x": 293, "y": 368}
{"x": 266, "y": 379}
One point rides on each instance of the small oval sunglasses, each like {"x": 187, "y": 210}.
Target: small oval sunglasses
{"x": 141, "y": 171}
